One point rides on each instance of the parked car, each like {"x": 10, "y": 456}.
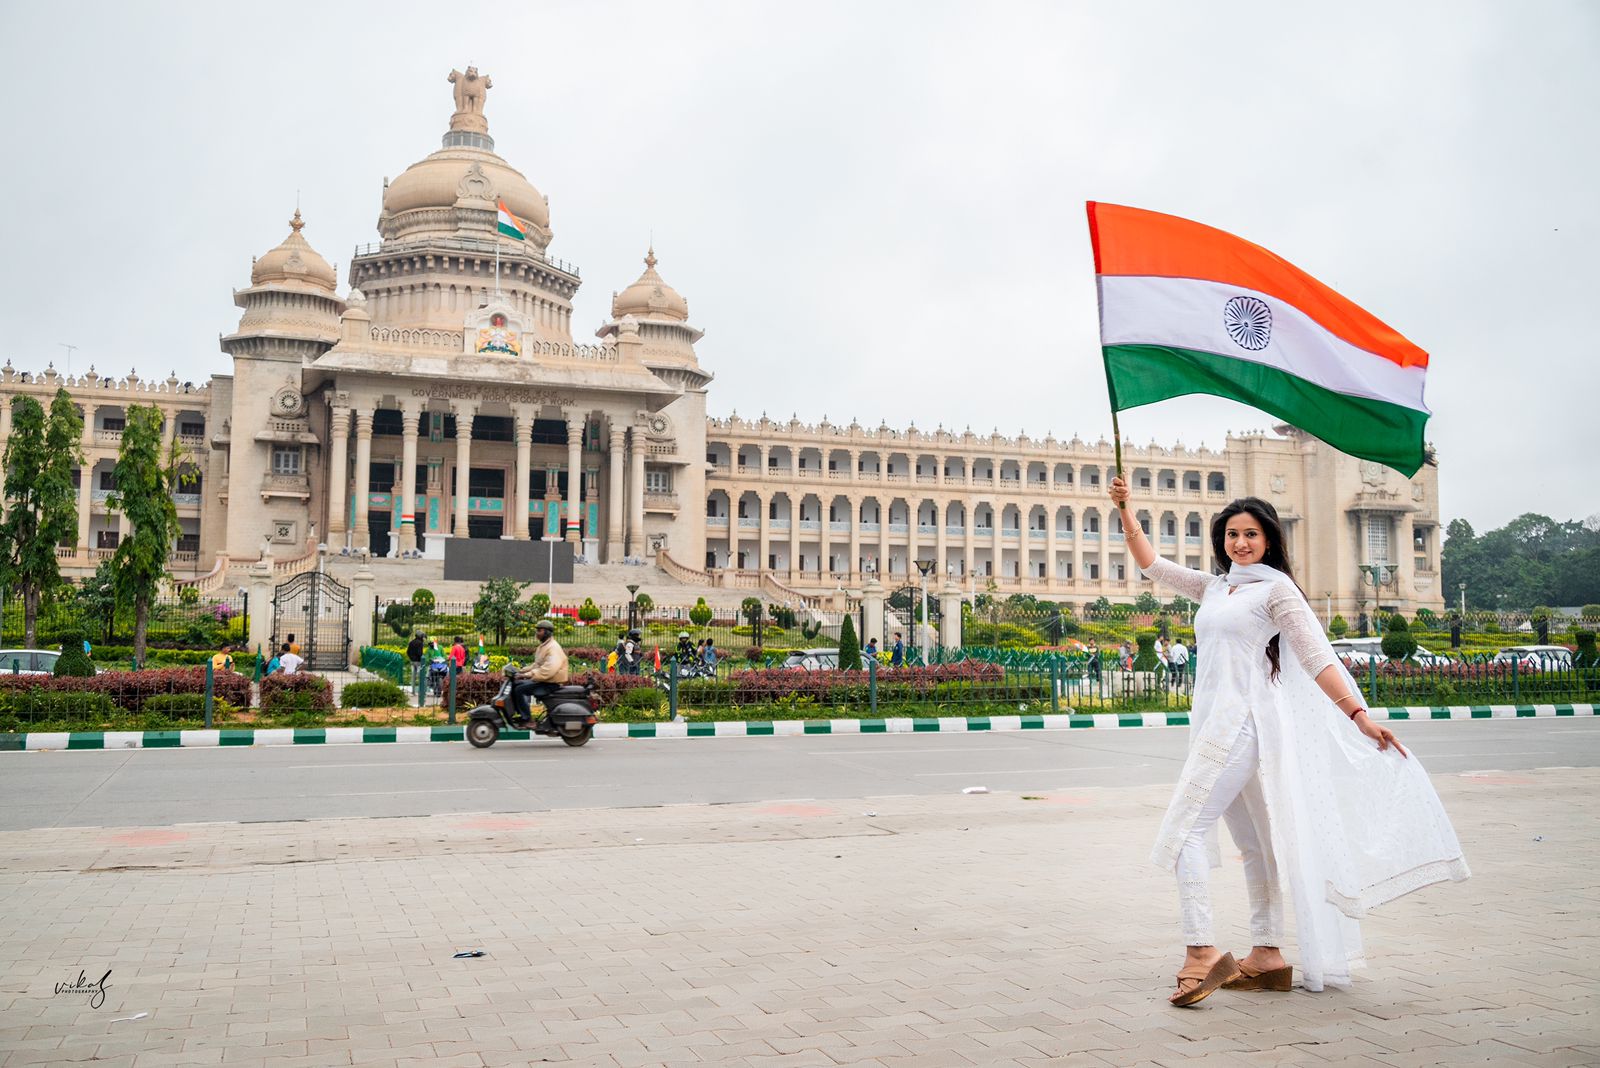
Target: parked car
{"x": 1536, "y": 657}
{"x": 1359, "y": 652}
{"x": 812, "y": 659}
{"x": 28, "y": 661}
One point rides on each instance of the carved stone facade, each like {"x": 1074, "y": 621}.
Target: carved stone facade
{"x": 443, "y": 396}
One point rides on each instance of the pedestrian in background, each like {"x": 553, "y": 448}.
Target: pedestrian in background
{"x": 897, "y": 658}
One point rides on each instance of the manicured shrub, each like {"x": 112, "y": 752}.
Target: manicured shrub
{"x": 177, "y": 705}
{"x": 73, "y": 661}
{"x": 589, "y": 612}
{"x": 376, "y": 694}
{"x": 299, "y": 692}
{"x": 700, "y": 614}
{"x": 849, "y": 647}
{"x": 1398, "y": 644}
{"x": 1145, "y": 659}
{"x": 1338, "y": 627}
{"x": 1586, "y": 656}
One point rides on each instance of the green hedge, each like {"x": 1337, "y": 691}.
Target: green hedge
{"x": 377, "y": 694}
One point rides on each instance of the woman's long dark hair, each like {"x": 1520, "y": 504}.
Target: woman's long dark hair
{"x": 1275, "y": 556}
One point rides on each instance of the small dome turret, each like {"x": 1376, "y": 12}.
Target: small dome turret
{"x": 294, "y": 263}
{"x": 650, "y": 297}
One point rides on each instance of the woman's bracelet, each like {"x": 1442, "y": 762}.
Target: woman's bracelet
{"x": 1356, "y": 713}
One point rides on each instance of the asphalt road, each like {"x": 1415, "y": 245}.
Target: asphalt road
{"x": 162, "y": 787}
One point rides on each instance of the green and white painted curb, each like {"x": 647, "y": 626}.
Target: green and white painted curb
{"x": 713, "y": 729}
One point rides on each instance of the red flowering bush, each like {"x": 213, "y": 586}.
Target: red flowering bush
{"x": 770, "y": 684}
{"x": 473, "y": 690}
{"x": 130, "y": 689}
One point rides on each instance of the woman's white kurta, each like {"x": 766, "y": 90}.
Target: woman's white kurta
{"x": 1350, "y": 827}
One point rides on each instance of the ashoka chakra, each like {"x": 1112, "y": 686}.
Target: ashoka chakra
{"x": 1248, "y": 321}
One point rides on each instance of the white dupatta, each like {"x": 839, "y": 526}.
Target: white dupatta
{"x": 1353, "y": 826}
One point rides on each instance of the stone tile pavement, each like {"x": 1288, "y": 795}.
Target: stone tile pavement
{"x": 955, "y": 930}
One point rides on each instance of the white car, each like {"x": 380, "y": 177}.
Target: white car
{"x": 1359, "y": 652}
{"x": 29, "y": 661}
{"x": 1536, "y": 657}
{"x": 812, "y": 659}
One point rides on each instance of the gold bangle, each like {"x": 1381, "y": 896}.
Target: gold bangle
{"x": 1346, "y": 697}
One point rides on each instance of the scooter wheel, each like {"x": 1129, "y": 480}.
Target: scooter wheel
{"x": 482, "y": 733}
{"x": 579, "y": 739}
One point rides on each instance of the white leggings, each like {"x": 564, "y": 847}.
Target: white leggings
{"x": 1194, "y": 867}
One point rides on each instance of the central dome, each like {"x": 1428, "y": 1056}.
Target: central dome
{"x": 455, "y": 190}
{"x": 441, "y": 179}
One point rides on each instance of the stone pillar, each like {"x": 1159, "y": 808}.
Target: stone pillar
{"x": 872, "y": 605}
{"x": 999, "y": 511}
{"x": 853, "y": 568}
{"x": 463, "y": 480}
{"x": 338, "y": 471}
{"x": 824, "y": 546}
{"x": 762, "y": 542}
{"x": 518, "y": 501}
{"x": 941, "y": 539}
{"x": 855, "y": 465}
{"x": 363, "y": 595}
{"x": 574, "y": 476}
{"x": 969, "y": 539}
{"x": 636, "y": 547}
{"x": 1050, "y": 546}
{"x": 950, "y": 616}
{"x": 89, "y": 412}
{"x": 259, "y": 582}
{"x": 85, "y": 502}
{"x": 408, "y": 479}
{"x": 614, "y": 496}
{"x": 885, "y": 510}
{"x": 359, "y": 534}
{"x": 795, "y": 508}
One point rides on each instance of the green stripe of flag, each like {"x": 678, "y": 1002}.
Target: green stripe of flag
{"x": 1390, "y": 434}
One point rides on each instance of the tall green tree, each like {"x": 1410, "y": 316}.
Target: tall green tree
{"x": 497, "y": 610}
{"x": 41, "y": 502}
{"x": 147, "y": 476}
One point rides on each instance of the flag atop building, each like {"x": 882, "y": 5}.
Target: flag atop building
{"x": 1185, "y": 308}
{"x": 509, "y": 224}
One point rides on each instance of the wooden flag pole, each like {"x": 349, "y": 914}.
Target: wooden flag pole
{"x": 1116, "y": 436}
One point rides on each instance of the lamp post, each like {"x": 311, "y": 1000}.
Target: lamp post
{"x": 1378, "y": 576}
{"x": 925, "y": 566}
{"x": 1463, "y": 587}
{"x": 633, "y": 605}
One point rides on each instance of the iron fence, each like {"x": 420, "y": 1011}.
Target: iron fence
{"x": 180, "y": 620}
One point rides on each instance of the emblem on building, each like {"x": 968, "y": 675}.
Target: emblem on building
{"x": 498, "y": 338}
{"x": 1248, "y": 321}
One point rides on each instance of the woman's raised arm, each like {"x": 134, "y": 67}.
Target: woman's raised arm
{"x": 1187, "y": 581}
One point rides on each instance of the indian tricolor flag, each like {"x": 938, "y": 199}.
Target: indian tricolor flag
{"x": 509, "y": 224}
{"x": 1188, "y": 309}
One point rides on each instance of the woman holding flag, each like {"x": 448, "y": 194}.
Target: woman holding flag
{"x": 1324, "y": 804}
{"x": 1326, "y": 807}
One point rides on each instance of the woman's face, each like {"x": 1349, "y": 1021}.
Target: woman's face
{"x": 1244, "y": 540}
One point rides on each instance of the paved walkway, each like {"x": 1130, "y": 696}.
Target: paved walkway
{"x": 996, "y": 929}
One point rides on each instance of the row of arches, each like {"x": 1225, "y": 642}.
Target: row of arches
{"x": 900, "y": 513}
{"x": 754, "y": 460}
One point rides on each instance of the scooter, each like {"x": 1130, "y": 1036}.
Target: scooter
{"x": 570, "y": 713}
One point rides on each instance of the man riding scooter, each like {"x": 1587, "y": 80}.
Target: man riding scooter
{"x": 547, "y": 672}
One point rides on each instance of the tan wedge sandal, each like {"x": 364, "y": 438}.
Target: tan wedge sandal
{"x": 1196, "y": 982}
{"x": 1278, "y": 979}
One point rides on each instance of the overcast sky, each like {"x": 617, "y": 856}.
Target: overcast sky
{"x": 875, "y": 210}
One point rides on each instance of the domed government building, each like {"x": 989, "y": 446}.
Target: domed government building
{"x": 442, "y": 397}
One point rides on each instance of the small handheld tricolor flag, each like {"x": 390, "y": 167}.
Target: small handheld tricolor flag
{"x": 1186, "y": 308}
{"x": 509, "y": 224}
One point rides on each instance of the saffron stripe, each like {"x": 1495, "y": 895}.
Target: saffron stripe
{"x": 1132, "y": 241}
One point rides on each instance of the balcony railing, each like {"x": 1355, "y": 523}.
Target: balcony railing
{"x": 658, "y": 501}
{"x": 716, "y": 521}
{"x": 108, "y": 437}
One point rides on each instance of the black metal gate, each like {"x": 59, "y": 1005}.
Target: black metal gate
{"x": 902, "y": 610}
{"x": 313, "y": 610}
